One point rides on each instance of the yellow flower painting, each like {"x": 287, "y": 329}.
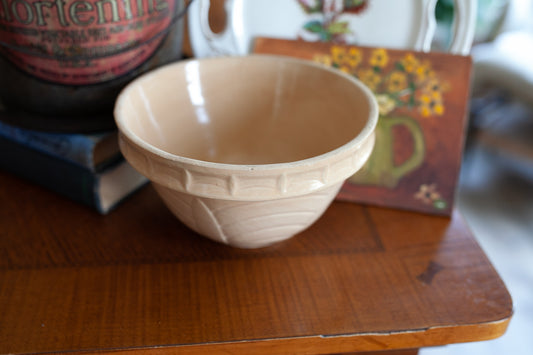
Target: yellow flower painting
{"x": 408, "y": 83}
{"x": 431, "y": 104}
{"x": 397, "y": 81}
{"x": 354, "y": 57}
{"x": 410, "y": 63}
{"x": 422, "y": 102}
{"x": 379, "y": 58}
{"x": 370, "y": 78}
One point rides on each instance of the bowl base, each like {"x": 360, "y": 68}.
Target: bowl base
{"x": 248, "y": 224}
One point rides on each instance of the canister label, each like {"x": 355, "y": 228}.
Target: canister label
{"x": 79, "y": 42}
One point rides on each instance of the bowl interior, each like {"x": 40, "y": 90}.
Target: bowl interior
{"x": 244, "y": 110}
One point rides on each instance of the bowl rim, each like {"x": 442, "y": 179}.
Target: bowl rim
{"x": 358, "y": 140}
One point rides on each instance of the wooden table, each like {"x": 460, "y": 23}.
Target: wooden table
{"x": 361, "y": 279}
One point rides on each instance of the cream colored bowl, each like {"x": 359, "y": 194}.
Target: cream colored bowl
{"x": 247, "y": 151}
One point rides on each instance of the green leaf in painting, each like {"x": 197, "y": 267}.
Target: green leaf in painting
{"x": 338, "y": 28}
{"x": 314, "y": 26}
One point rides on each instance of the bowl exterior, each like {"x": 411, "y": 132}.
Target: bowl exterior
{"x": 247, "y": 183}
{"x": 247, "y": 208}
{"x": 248, "y": 224}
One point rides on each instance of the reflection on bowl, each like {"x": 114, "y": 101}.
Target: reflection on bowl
{"x": 247, "y": 151}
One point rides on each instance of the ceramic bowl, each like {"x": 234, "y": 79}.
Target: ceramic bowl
{"x": 247, "y": 151}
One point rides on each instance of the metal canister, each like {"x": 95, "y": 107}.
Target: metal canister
{"x": 63, "y": 62}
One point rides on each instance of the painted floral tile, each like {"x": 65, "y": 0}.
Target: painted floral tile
{"x": 423, "y": 103}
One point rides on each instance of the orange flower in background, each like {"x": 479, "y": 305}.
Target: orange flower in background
{"x": 340, "y": 59}
{"x": 397, "y": 81}
{"x": 370, "y": 78}
{"x": 338, "y": 55}
{"x": 424, "y": 71}
{"x": 428, "y": 195}
{"x": 408, "y": 83}
{"x": 379, "y": 58}
{"x": 345, "y": 59}
{"x": 409, "y": 63}
{"x": 431, "y": 101}
{"x": 323, "y": 59}
{"x": 354, "y": 57}
{"x": 435, "y": 86}
{"x": 345, "y": 69}
{"x": 385, "y": 104}
{"x": 431, "y": 104}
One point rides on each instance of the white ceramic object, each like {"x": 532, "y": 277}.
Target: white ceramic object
{"x": 247, "y": 151}
{"x": 401, "y": 24}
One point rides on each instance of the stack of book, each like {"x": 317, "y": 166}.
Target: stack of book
{"x": 87, "y": 168}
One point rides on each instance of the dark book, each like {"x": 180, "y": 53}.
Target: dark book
{"x": 89, "y": 150}
{"x": 102, "y": 190}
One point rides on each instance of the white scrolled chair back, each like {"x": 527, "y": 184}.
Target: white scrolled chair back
{"x": 463, "y": 27}
{"x": 401, "y": 24}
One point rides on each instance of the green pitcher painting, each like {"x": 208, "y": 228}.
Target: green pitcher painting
{"x": 381, "y": 168}
{"x": 423, "y": 105}
{"x": 403, "y": 88}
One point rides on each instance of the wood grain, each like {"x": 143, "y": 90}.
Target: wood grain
{"x": 360, "y": 279}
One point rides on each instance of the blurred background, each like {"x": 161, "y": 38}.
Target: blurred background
{"x": 495, "y": 192}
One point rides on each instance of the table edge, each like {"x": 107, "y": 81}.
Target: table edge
{"x": 322, "y": 344}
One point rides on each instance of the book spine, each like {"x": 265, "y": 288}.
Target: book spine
{"x": 65, "y": 178}
{"x": 74, "y": 148}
